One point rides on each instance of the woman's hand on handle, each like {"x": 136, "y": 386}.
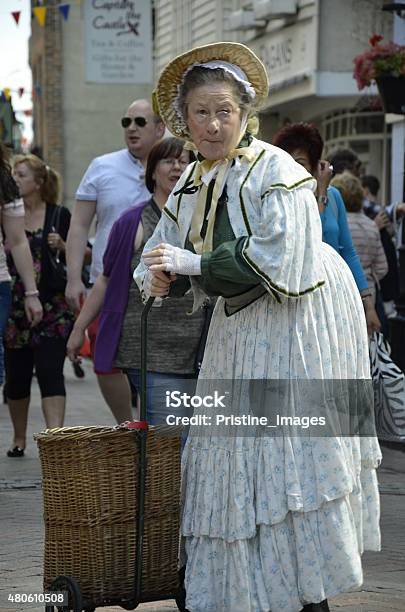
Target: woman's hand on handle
{"x": 157, "y": 284}
{"x": 168, "y": 258}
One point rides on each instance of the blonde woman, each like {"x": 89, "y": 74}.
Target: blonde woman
{"x": 12, "y": 223}
{"x": 42, "y": 346}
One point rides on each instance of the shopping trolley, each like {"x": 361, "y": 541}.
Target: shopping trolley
{"x": 111, "y": 510}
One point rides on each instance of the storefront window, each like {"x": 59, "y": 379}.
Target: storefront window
{"x": 367, "y": 134}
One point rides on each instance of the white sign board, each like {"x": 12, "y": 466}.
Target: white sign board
{"x": 289, "y": 54}
{"x": 118, "y": 35}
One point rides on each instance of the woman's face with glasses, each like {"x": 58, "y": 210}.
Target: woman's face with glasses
{"x": 213, "y": 119}
{"x": 168, "y": 172}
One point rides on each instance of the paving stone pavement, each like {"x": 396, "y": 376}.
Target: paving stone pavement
{"x": 21, "y": 525}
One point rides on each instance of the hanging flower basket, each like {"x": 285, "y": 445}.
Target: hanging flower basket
{"x": 392, "y": 92}
{"x": 383, "y": 64}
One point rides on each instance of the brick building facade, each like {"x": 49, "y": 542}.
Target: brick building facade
{"x": 47, "y": 76}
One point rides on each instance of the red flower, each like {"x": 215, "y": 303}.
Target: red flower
{"x": 375, "y": 39}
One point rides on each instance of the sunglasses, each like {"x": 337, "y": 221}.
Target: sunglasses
{"x": 139, "y": 121}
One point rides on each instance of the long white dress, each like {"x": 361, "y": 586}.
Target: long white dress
{"x": 270, "y": 523}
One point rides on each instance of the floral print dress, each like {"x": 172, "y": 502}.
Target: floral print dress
{"x": 271, "y": 523}
{"x": 58, "y": 319}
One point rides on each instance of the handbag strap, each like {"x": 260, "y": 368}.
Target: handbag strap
{"x": 51, "y": 220}
{"x": 55, "y": 221}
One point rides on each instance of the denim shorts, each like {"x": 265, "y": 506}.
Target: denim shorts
{"x": 157, "y": 384}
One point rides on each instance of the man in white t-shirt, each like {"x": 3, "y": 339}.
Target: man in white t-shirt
{"x": 112, "y": 183}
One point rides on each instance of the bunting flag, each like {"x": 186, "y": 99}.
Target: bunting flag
{"x": 64, "y": 9}
{"x": 40, "y": 14}
{"x": 16, "y": 15}
{"x": 7, "y": 91}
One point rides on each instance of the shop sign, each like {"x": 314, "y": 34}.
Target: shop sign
{"x": 289, "y": 54}
{"x": 118, "y": 40}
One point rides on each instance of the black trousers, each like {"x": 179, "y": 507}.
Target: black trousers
{"x": 47, "y": 358}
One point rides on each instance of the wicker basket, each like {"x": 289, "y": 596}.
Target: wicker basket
{"x": 90, "y": 488}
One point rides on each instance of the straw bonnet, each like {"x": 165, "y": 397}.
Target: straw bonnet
{"x": 169, "y": 82}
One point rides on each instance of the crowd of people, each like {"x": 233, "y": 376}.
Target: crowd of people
{"x": 212, "y": 217}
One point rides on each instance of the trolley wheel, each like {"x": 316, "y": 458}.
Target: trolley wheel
{"x": 181, "y": 593}
{"x": 75, "y": 603}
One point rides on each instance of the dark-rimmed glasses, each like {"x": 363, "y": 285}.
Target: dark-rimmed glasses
{"x": 139, "y": 121}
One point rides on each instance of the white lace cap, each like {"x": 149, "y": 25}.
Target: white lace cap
{"x": 234, "y": 70}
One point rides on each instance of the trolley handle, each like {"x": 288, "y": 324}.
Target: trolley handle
{"x": 144, "y": 352}
{"x": 142, "y": 435}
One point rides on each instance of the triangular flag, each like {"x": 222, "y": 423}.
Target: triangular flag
{"x": 7, "y": 93}
{"x": 21, "y": 91}
{"x": 16, "y": 15}
{"x": 40, "y": 14}
{"x": 64, "y": 9}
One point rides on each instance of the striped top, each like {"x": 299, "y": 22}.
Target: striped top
{"x": 367, "y": 242}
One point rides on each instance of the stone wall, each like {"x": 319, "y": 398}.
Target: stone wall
{"x": 46, "y": 64}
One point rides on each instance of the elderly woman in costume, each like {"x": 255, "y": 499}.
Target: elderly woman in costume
{"x": 269, "y": 523}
